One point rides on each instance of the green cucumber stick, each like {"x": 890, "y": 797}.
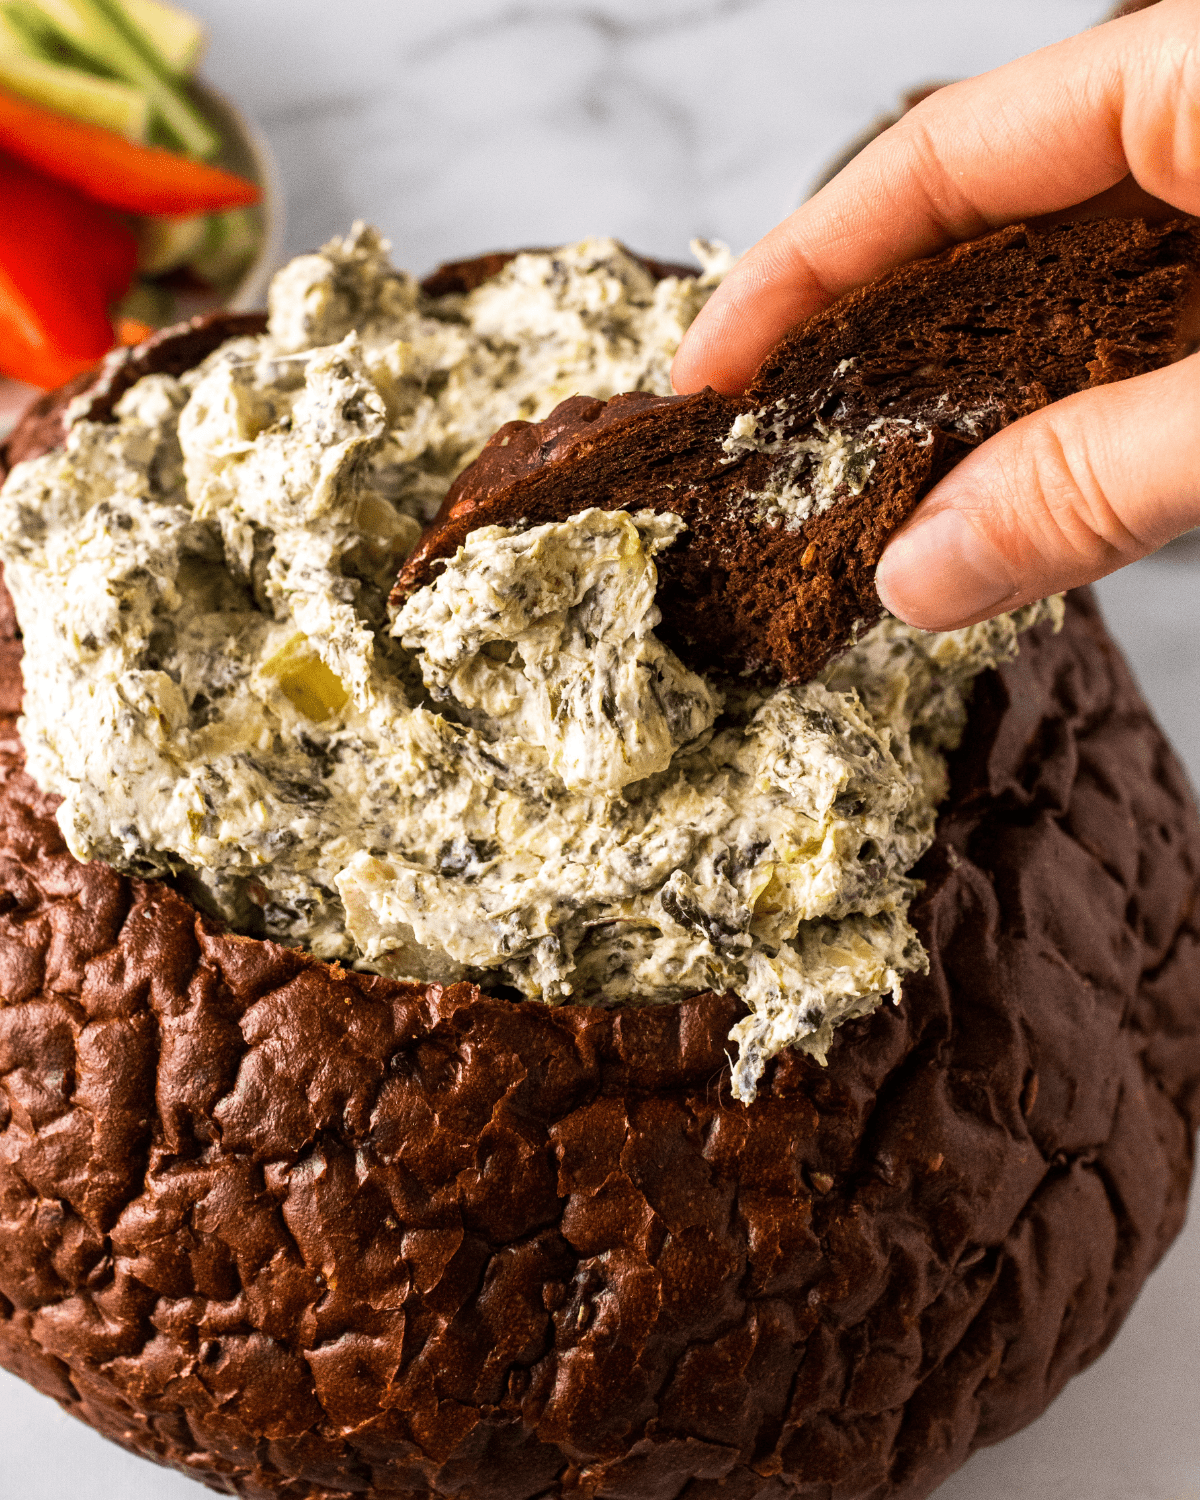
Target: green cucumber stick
{"x": 176, "y": 36}
{"x": 34, "y": 72}
{"x": 104, "y": 34}
{"x": 41, "y": 37}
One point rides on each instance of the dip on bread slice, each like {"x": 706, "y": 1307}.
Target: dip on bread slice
{"x": 791, "y": 490}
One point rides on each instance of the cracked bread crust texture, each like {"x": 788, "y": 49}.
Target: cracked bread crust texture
{"x": 944, "y": 352}
{"x": 303, "y": 1232}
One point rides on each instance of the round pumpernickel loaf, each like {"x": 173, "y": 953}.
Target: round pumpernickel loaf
{"x": 299, "y": 1231}
{"x": 304, "y": 1232}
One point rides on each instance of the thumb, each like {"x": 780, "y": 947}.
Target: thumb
{"x": 1060, "y": 498}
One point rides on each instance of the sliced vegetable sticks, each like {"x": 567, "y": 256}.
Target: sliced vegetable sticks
{"x": 72, "y": 91}
{"x": 102, "y": 32}
{"x": 114, "y": 171}
{"x": 64, "y": 261}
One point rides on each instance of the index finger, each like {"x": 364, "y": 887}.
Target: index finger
{"x": 1037, "y": 135}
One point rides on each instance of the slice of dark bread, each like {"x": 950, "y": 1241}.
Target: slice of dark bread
{"x": 913, "y": 370}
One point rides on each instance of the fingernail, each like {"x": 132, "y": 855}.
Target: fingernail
{"x": 942, "y": 573}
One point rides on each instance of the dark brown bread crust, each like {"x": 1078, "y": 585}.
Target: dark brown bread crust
{"x": 302, "y": 1232}
{"x": 962, "y": 344}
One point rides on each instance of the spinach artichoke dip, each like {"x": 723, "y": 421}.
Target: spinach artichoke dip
{"x": 513, "y": 781}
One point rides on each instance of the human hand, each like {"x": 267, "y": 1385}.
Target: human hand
{"x": 1108, "y": 121}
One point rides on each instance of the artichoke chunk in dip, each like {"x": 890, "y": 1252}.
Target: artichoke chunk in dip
{"x": 514, "y": 781}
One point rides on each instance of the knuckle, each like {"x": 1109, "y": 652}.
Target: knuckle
{"x": 1065, "y": 511}
{"x": 1161, "y": 121}
{"x": 788, "y": 261}
{"x": 924, "y": 174}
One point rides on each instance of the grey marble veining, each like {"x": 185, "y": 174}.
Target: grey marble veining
{"x": 475, "y": 124}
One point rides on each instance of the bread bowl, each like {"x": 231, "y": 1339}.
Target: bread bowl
{"x": 302, "y": 1230}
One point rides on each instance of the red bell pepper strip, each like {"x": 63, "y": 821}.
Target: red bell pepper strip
{"x": 63, "y": 262}
{"x": 115, "y": 171}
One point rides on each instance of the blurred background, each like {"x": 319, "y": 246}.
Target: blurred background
{"x": 467, "y": 125}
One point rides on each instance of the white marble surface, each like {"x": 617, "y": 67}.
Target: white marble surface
{"x": 476, "y": 124}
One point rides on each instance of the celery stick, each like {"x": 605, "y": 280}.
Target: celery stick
{"x": 69, "y": 91}
{"x": 178, "y": 37}
{"x": 43, "y": 38}
{"x": 101, "y": 32}
{"x": 174, "y": 104}
{"x": 55, "y": 26}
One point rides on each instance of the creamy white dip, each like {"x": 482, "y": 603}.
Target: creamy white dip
{"x": 515, "y": 781}
{"x": 811, "y": 472}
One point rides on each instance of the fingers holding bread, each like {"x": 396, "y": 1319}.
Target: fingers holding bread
{"x": 1030, "y": 138}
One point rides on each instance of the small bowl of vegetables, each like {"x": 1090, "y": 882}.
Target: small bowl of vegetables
{"x": 135, "y": 195}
